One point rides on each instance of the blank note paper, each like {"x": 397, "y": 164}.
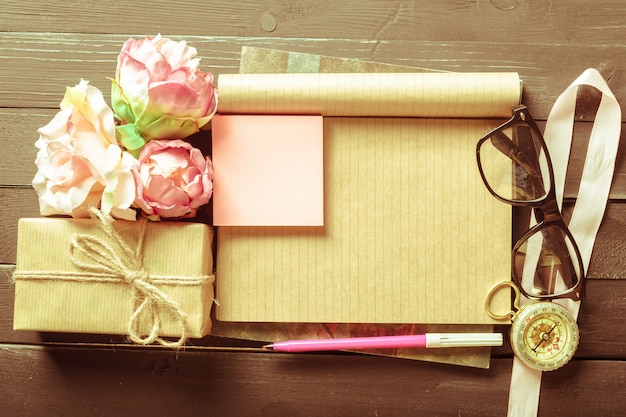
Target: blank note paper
{"x": 268, "y": 170}
{"x": 411, "y": 235}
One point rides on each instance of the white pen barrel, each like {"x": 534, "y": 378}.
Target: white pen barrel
{"x": 434, "y": 340}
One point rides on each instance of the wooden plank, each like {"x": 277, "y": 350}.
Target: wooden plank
{"x": 561, "y": 23}
{"x": 606, "y": 262}
{"x": 14, "y": 203}
{"x": 65, "y": 58}
{"x": 548, "y": 43}
{"x": 77, "y": 381}
{"x": 19, "y": 133}
{"x": 20, "y": 125}
{"x": 602, "y": 335}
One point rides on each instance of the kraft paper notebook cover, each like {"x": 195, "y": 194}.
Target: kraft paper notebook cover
{"x": 410, "y": 235}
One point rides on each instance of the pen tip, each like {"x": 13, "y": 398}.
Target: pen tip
{"x": 266, "y": 347}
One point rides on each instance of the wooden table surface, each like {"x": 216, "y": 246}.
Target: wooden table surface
{"x": 45, "y": 46}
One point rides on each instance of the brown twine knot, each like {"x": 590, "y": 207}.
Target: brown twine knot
{"x": 117, "y": 261}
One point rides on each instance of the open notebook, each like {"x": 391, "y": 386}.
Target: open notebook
{"x": 410, "y": 233}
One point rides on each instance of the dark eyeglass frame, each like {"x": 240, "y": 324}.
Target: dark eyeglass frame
{"x": 546, "y": 208}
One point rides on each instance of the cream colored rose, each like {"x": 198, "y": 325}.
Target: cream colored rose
{"x": 79, "y": 162}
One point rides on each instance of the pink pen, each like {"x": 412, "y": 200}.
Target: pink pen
{"x": 428, "y": 340}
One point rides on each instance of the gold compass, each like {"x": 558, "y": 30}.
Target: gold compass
{"x": 544, "y": 335}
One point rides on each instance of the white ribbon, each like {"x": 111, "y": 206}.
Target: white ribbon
{"x": 590, "y": 202}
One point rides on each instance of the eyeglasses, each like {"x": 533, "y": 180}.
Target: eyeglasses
{"x": 515, "y": 166}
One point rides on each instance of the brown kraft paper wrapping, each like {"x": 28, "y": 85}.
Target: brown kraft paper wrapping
{"x": 170, "y": 249}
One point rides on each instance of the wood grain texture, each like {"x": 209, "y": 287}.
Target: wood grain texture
{"x": 18, "y": 129}
{"x": 104, "y": 381}
{"x": 554, "y": 22}
{"x": 602, "y": 309}
{"x": 15, "y": 202}
{"x": 93, "y": 57}
{"x": 65, "y": 58}
{"x": 46, "y": 46}
{"x": 607, "y": 260}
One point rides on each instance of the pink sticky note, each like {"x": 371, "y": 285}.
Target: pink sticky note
{"x": 268, "y": 170}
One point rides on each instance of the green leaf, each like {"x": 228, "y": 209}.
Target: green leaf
{"x": 168, "y": 127}
{"x": 121, "y": 107}
{"x": 130, "y": 138}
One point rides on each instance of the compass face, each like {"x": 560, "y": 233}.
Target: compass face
{"x": 544, "y": 336}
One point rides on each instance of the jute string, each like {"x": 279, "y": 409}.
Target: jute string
{"x": 112, "y": 260}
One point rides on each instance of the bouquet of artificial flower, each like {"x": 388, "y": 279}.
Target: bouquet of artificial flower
{"x": 131, "y": 156}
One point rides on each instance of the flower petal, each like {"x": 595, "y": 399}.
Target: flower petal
{"x": 173, "y": 179}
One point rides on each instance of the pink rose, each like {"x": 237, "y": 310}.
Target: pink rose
{"x": 159, "y": 92}
{"x": 173, "y": 179}
{"x": 79, "y": 162}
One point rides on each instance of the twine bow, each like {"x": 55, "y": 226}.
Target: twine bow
{"x": 116, "y": 261}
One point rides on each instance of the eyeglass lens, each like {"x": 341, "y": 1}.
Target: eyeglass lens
{"x": 545, "y": 262}
{"x": 514, "y": 164}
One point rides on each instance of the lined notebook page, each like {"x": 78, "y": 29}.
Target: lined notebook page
{"x": 411, "y": 235}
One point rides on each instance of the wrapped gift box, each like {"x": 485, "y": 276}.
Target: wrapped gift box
{"x": 53, "y": 294}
